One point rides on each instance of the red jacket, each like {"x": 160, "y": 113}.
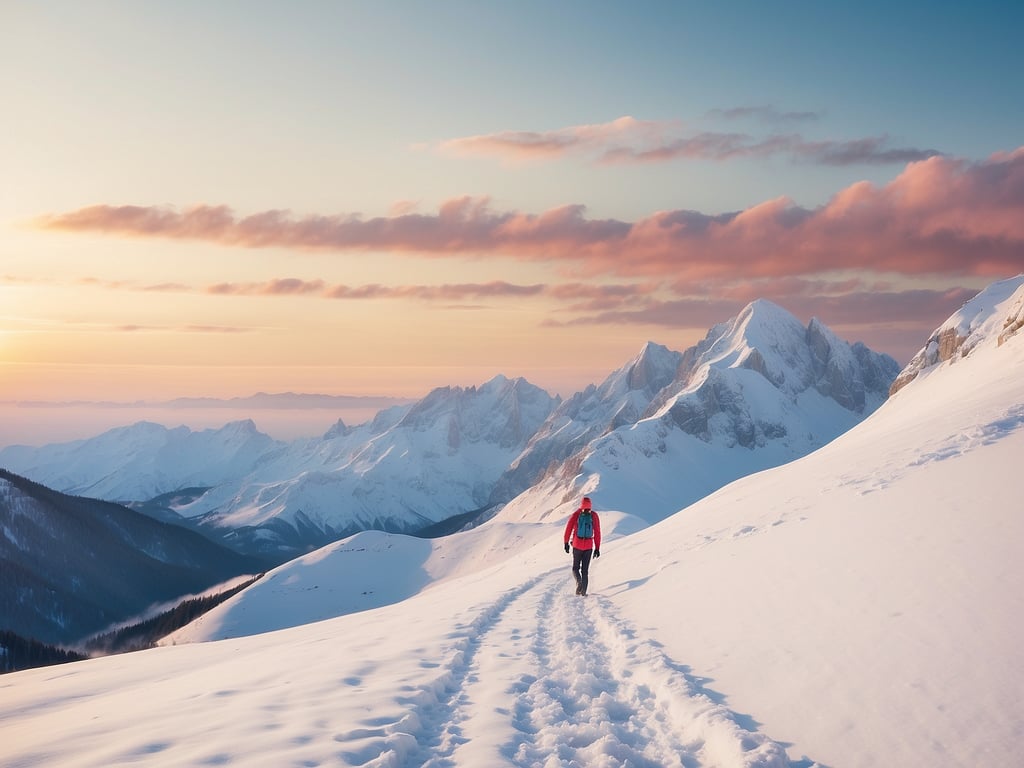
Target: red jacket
{"x": 570, "y": 532}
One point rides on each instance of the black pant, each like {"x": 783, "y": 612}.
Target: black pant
{"x": 581, "y": 568}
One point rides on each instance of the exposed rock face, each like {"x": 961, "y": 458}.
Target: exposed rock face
{"x": 943, "y": 345}
{"x": 966, "y": 328}
{"x": 837, "y": 370}
{"x": 1014, "y": 322}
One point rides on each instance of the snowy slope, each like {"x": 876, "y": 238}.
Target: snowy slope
{"x": 858, "y": 607}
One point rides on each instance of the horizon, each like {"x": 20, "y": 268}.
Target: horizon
{"x": 357, "y": 199}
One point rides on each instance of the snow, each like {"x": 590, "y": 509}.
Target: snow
{"x": 860, "y": 606}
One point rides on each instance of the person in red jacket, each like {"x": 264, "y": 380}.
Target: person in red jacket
{"x": 584, "y": 529}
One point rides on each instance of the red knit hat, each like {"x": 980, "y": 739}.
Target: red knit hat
{"x": 586, "y": 503}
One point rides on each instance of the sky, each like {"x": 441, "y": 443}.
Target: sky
{"x": 381, "y": 198}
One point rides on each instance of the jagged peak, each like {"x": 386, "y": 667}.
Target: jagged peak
{"x": 338, "y": 429}
{"x": 452, "y": 400}
{"x": 650, "y": 348}
{"x": 239, "y": 426}
{"x": 500, "y": 380}
{"x": 652, "y": 369}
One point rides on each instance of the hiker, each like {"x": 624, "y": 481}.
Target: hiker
{"x": 584, "y": 529}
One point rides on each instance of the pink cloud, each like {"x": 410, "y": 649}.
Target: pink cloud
{"x": 628, "y": 140}
{"x": 290, "y": 286}
{"x": 939, "y": 216}
{"x": 884, "y": 307}
{"x": 180, "y": 329}
{"x": 448, "y": 292}
{"x": 896, "y": 322}
{"x": 789, "y": 287}
{"x": 873, "y": 150}
{"x": 517, "y": 145}
{"x": 279, "y": 287}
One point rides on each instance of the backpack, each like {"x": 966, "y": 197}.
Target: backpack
{"x": 585, "y": 525}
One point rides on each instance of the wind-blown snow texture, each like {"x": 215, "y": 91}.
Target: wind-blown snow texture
{"x": 858, "y": 607}
{"x": 760, "y": 390}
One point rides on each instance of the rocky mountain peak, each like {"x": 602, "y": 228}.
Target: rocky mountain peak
{"x": 988, "y": 315}
{"x": 652, "y": 369}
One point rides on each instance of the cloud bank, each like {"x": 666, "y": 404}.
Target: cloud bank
{"x": 627, "y": 140}
{"x": 939, "y": 216}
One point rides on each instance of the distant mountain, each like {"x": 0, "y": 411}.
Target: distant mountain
{"x": 73, "y": 566}
{"x": 144, "y": 460}
{"x": 758, "y": 391}
{"x": 408, "y": 469}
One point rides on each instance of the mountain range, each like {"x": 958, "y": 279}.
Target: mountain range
{"x": 759, "y": 390}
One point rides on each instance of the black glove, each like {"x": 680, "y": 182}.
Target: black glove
{"x": 597, "y": 553}
{"x": 567, "y": 547}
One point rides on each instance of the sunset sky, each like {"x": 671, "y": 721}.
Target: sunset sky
{"x": 377, "y": 198}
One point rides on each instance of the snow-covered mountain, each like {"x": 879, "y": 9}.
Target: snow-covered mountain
{"x": 414, "y": 466}
{"x": 758, "y": 391}
{"x": 144, "y": 460}
{"x": 858, "y": 607}
{"x": 409, "y": 467}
